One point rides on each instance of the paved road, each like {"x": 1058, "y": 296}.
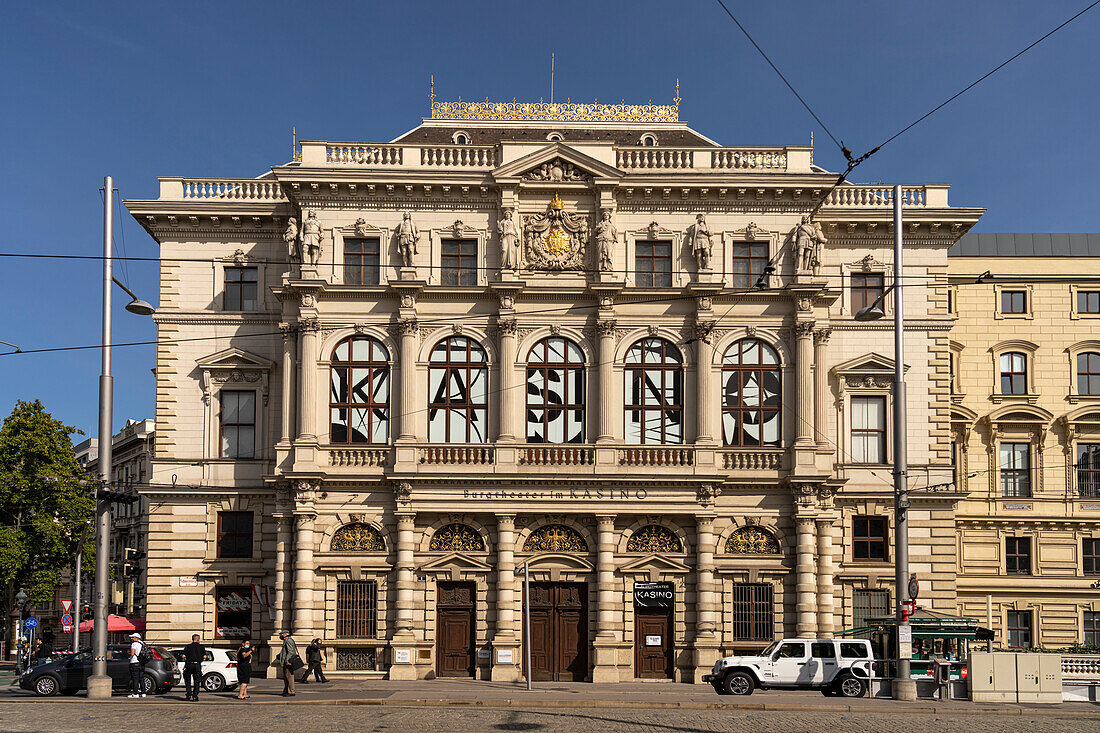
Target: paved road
{"x": 243, "y": 717}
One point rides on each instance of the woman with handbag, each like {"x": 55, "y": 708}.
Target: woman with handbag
{"x": 290, "y": 662}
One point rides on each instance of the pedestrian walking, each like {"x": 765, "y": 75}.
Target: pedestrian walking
{"x": 137, "y": 666}
{"x": 244, "y": 668}
{"x": 290, "y": 662}
{"x": 43, "y": 649}
{"x": 193, "y": 656}
{"x": 314, "y": 656}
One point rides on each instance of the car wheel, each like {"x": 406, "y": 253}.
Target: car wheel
{"x": 149, "y": 685}
{"x": 46, "y": 685}
{"x": 720, "y": 688}
{"x": 738, "y": 683}
{"x": 851, "y": 687}
{"x": 213, "y": 682}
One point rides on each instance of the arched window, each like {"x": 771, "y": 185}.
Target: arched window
{"x": 555, "y": 137}
{"x": 654, "y": 393}
{"x": 457, "y": 538}
{"x": 458, "y": 379}
{"x": 461, "y": 138}
{"x": 360, "y": 392}
{"x": 648, "y": 140}
{"x": 752, "y": 541}
{"x": 751, "y": 394}
{"x": 654, "y": 538}
{"x": 1013, "y": 373}
{"x": 555, "y": 538}
{"x": 357, "y": 537}
{"x": 1088, "y": 373}
{"x": 555, "y": 392}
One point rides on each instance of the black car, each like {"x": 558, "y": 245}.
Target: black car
{"x": 69, "y": 676}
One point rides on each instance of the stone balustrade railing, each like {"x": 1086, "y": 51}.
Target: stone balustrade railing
{"x": 458, "y": 156}
{"x": 752, "y": 460}
{"x": 458, "y": 454}
{"x": 1081, "y": 667}
{"x": 358, "y": 457}
{"x": 558, "y": 456}
{"x": 742, "y": 159}
{"x": 367, "y": 155}
{"x": 643, "y": 456}
{"x": 664, "y": 158}
{"x": 877, "y": 197}
{"x": 221, "y": 189}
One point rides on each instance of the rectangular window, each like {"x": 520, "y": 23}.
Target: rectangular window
{"x": 749, "y": 261}
{"x": 361, "y": 262}
{"x": 1088, "y": 301}
{"x": 232, "y": 612}
{"x": 1013, "y": 301}
{"x": 1018, "y": 555}
{"x": 1088, "y": 373}
{"x": 1091, "y": 627}
{"x": 653, "y": 264}
{"x": 1015, "y": 470}
{"x": 852, "y": 650}
{"x": 867, "y": 604}
{"x": 866, "y": 289}
{"x": 356, "y": 606}
{"x": 869, "y": 538}
{"x": 459, "y": 262}
{"x": 869, "y": 430}
{"x": 1013, "y": 373}
{"x": 1088, "y": 470}
{"x": 238, "y": 423}
{"x": 235, "y": 534}
{"x": 752, "y": 611}
{"x": 822, "y": 650}
{"x": 241, "y": 289}
{"x": 1090, "y": 556}
{"x": 1019, "y": 629}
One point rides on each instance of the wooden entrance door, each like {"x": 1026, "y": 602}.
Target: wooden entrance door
{"x": 456, "y": 655}
{"x": 653, "y": 643}
{"x": 559, "y": 632}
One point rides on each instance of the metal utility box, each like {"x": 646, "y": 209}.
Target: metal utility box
{"x": 1012, "y": 677}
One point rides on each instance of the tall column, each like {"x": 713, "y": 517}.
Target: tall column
{"x": 307, "y": 420}
{"x": 825, "y": 623}
{"x": 282, "y": 587}
{"x": 605, "y": 666}
{"x": 508, "y": 391}
{"x": 805, "y": 580}
{"x": 506, "y": 637}
{"x": 704, "y": 352}
{"x": 821, "y": 387}
{"x": 406, "y": 523}
{"x": 705, "y": 645}
{"x": 608, "y": 413}
{"x": 303, "y": 573}
{"x": 286, "y": 431}
{"x": 804, "y": 359}
{"x": 410, "y": 329}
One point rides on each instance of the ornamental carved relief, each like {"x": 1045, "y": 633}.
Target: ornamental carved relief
{"x": 654, "y": 538}
{"x": 555, "y": 538}
{"x": 556, "y": 170}
{"x": 752, "y": 541}
{"x": 457, "y": 538}
{"x": 555, "y": 240}
{"x": 358, "y": 537}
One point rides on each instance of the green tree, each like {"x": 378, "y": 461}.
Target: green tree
{"x": 46, "y": 503}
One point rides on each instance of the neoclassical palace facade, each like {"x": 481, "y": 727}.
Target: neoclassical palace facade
{"x": 581, "y": 339}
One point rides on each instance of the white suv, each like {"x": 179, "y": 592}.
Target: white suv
{"x": 834, "y": 666}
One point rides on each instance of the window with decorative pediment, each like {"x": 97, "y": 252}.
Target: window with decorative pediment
{"x": 654, "y": 538}
{"x": 457, "y": 538}
{"x": 555, "y": 538}
{"x": 752, "y": 541}
{"x": 358, "y": 537}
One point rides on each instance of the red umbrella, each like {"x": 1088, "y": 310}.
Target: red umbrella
{"x": 116, "y": 623}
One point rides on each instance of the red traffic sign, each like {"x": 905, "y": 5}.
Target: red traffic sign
{"x": 66, "y": 606}
{"x": 67, "y": 620}
{"x": 914, "y": 586}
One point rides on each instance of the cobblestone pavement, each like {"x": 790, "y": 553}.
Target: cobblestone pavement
{"x": 242, "y": 717}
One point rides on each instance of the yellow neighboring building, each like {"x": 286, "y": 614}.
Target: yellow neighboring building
{"x": 1025, "y": 394}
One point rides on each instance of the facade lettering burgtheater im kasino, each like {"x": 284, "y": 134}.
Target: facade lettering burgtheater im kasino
{"x": 584, "y": 338}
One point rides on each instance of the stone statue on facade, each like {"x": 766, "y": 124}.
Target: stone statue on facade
{"x": 311, "y": 239}
{"x": 606, "y": 238}
{"x": 509, "y": 241}
{"x": 290, "y": 236}
{"x": 808, "y": 238}
{"x": 699, "y": 242}
{"x": 407, "y": 237}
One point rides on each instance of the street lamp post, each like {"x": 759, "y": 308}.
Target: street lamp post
{"x": 903, "y": 685}
{"x": 99, "y": 684}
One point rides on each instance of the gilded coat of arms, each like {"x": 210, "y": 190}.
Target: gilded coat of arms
{"x": 555, "y": 240}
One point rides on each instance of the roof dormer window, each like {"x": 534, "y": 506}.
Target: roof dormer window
{"x": 648, "y": 140}
{"x": 461, "y": 138}
{"x": 555, "y": 137}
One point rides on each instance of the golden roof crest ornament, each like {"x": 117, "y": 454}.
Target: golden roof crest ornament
{"x": 567, "y": 111}
{"x": 557, "y": 203}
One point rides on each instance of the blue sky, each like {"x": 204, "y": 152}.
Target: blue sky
{"x": 137, "y": 90}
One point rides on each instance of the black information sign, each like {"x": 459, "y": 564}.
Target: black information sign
{"x": 653, "y": 595}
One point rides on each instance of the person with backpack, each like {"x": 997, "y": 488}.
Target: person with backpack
{"x": 314, "y": 658}
{"x": 138, "y": 657}
{"x": 193, "y": 656}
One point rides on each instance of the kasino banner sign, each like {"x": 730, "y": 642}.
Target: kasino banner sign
{"x": 654, "y": 595}
{"x": 234, "y": 602}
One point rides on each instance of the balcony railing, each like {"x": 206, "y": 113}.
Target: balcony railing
{"x": 752, "y": 460}
{"x": 558, "y": 456}
{"x": 643, "y": 456}
{"x": 357, "y": 457}
{"x": 458, "y": 454}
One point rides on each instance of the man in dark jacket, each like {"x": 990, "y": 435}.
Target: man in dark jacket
{"x": 314, "y": 658}
{"x": 193, "y": 656}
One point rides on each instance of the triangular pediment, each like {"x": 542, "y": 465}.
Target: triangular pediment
{"x": 654, "y": 562}
{"x": 572, "y": 166}
{"x": 455, "y": 561}
{"x": 234, "y": 358}
{"x": 873, "y": 364}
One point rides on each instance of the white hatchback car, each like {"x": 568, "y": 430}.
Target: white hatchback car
{"x": 219, "y": 668}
